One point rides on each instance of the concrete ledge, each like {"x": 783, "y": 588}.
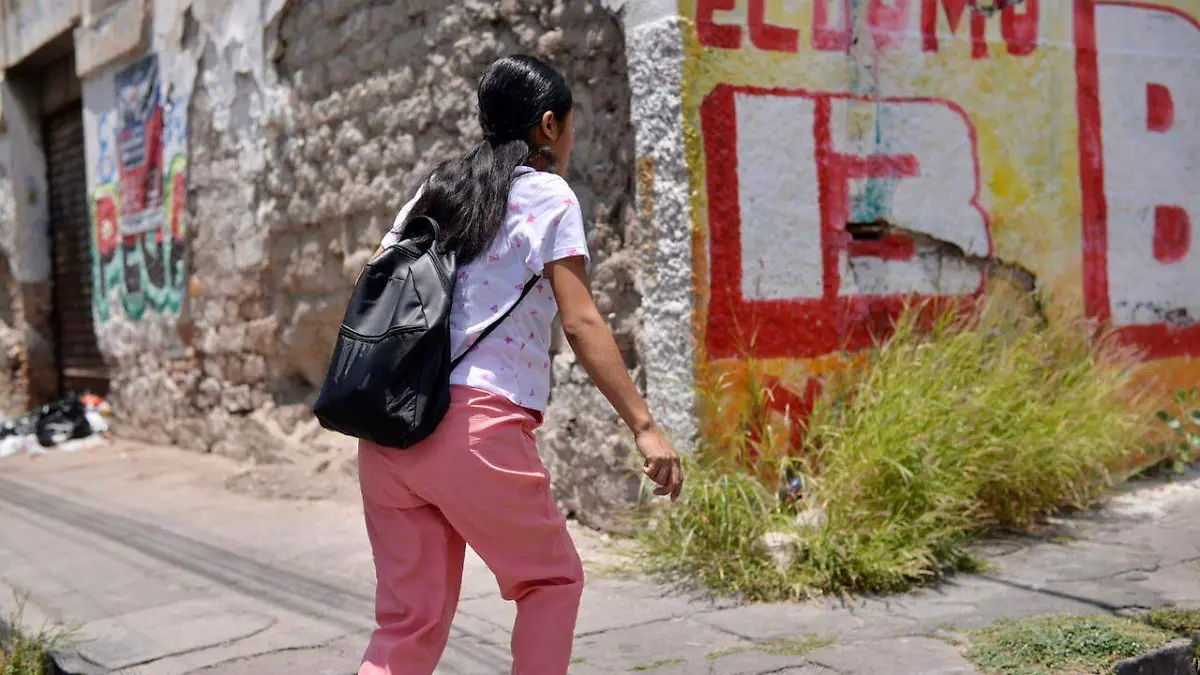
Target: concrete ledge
{"x": 118, "y": 32}
{"x": 1176, "y": 658}
{"x": 30, "y": 24}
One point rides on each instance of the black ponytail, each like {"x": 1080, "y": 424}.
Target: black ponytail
{"x": 468, "y": 195}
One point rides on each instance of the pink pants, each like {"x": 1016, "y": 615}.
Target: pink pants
{"x": 477, "y": 480}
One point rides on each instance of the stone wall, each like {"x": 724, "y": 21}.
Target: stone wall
{"x": 380, "y": 93}
{"x": 301, "y": 149}
{"x": 13, "y": 376}
{"x": 12, "y": 344}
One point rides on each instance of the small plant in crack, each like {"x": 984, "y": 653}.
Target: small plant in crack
{"x": 779, "y": 647}
{"x": 1184, "y": 421}
{"x": 657, "y": 664}
{"x": 1049, "y": 645}
{"x": 23, "y": 652}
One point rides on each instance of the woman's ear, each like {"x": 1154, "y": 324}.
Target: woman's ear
{"x": 549, "y": 126}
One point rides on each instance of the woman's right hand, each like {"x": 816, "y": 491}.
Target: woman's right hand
{"x": 596, "y": 349}
{"x": 661, "y": 463}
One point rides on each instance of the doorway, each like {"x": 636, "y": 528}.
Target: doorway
{"x": 80, "y": 366}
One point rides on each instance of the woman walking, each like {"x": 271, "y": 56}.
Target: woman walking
{"x": 509, "y": 216}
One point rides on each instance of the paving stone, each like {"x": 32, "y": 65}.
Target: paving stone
{"x": 1075, "y": 561}
{"x": 1115, "y": 593}
{"x": 751, "y": 665}
{"x": 314, "y": 661}
{"x": 862, "y": 621}
{"x": 289, "y": 633}
{"x": 644, "y": 645}
{"x": 611, "y": 603}
{"x": 1177, "y": 584}
{"x": 1176, "y": 658}
{"x": 605, "y": 606}
{"x": 141, "y": 637}
{"x": 898, "y": 656}
{"x": 975, "y": 602}
{"x": 753, "y": 661}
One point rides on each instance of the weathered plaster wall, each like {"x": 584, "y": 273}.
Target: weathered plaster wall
{"x": 847, "y": 156}
{"x": 29, "y": 368}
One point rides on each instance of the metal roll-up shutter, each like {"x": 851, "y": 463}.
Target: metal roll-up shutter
{"x": 81, "y": 367}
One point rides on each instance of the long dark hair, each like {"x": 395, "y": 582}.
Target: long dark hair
{"x": 468, "y": 195}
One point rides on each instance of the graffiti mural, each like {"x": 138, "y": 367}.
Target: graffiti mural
{"x": 138, "y": 199}
{"x": 1140, "y": 136}
{"x": 848, "y": 156}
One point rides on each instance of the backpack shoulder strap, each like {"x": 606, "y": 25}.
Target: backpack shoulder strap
{"x": 495, "y": 324}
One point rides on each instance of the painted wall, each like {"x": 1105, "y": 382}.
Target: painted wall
{"x": 1056, "y": 141}
{"x": 137, "y": 152}
{"x": 137, "y": 97}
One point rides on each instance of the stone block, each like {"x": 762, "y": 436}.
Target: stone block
{"x": 1176, "y": 658}
{"x": 118, "y": 31}
{"x": 923, "y": 655}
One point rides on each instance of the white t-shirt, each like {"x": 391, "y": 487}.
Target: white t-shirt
{"x": 543, "y": 224}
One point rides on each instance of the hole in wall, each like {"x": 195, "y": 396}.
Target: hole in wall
{"x": 872, "y": 231}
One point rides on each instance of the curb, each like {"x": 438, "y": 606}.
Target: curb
{"x": 1176, "y": 658}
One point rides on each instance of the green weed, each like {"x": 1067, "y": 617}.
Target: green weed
{"x": 1061, "y": 644}
{"x": 955, "y": 426}
{"x": 712, "y": 538}
{"x": 1184, "y": 622}
{"x": 658, "y": 664}
{"x": 1184, "y": 423}
{"x": 778, "y": 647}
{"x": 991, "y": 422}
{"x": 25, "y": 653}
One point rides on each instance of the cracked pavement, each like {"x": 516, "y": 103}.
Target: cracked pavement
{"x": 162, "y": 571}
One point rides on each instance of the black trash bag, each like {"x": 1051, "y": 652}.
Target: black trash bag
{"x": 62, "y": 421}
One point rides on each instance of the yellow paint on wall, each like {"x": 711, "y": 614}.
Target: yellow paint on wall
{"x": 1024, "y": 114}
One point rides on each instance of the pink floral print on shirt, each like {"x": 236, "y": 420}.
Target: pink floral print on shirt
{"x": 543, "y": 223}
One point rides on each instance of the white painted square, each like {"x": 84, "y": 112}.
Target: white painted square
{"x": 779, "y": 197}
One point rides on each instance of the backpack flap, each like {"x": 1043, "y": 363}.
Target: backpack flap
{"x": 388, "y": 377}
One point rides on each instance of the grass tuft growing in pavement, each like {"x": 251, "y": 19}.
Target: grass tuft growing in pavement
{"x": 778, "y": 647}
{"x": 657, "y": 664}
{"x": 1081, "y": 645}
{"x": 1184, "y": 622}
{"x": 23, "y": 652}
{"x": 956, "y": 426}
{"x": 991, "y": 421}
{"x": 711, "y": 539}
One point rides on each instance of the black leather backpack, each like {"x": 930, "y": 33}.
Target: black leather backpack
{"x": 389, "y": 376}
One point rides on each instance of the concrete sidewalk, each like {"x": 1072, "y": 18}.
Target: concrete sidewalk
{"x": 163, "y": 571}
